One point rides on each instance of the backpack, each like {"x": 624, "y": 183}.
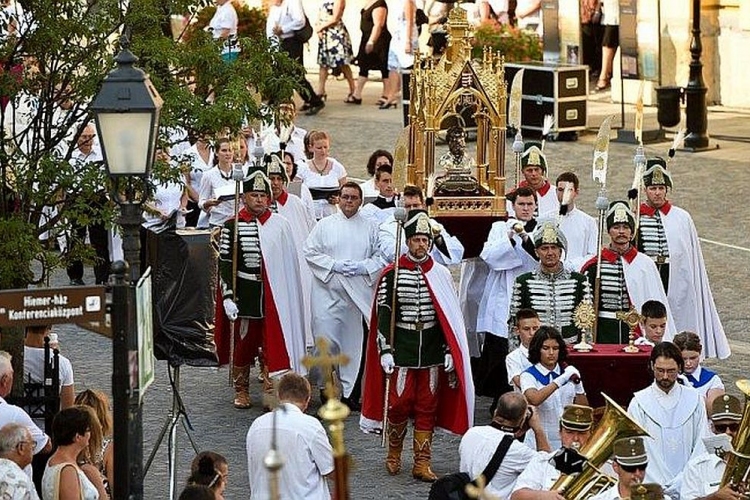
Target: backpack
{"x": 453, "y": 486}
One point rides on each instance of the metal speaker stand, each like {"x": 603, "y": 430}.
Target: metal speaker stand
{"x": 177, "y": 414}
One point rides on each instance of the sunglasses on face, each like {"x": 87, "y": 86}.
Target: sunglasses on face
{"x": 632, "y": 468}
{"x": 726, "y": 427}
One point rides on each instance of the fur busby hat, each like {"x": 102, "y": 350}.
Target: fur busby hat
{"x": 549, "y": 233}
{"x": 418, "y": 222}
{"x": 656, "y": 173}
{"x": 533, "y": 156}
{"x": 256, "y": 180}
{"x": 619, "y": 212}
{"x": 275, "y": 166}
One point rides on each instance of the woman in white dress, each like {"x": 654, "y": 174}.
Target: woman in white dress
{"x": 63, "y": 479}
{"x": 323, "y": 175}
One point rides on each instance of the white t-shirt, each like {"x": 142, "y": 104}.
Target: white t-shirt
{"x": 303, "y": 444}
{"x": 515, "y": 363}
{"x": 476, "y": 450}
{"x": 225, "y": 18}
{"x": 539, "y": 475}
{"x": 12, "y": 414}
{"x": 33, "y": 366}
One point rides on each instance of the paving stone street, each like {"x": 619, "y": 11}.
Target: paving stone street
{"x": 714, "y": 186}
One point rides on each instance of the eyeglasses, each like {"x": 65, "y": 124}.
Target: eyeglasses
{"x": 632, "y": 468}
{"x": 722, "y": 428}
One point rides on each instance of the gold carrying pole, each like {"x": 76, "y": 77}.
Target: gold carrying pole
{"x": 737, "y": 472}
{"x": 235, "y": 246}
{"x": 399, "y": 217}
{"x": 334, "y": 412}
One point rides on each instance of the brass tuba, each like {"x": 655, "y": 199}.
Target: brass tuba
{"x": 614, "y": 424}
{"x": 737, "y": 472}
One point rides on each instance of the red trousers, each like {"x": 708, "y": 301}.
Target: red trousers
{"x": 414, "y": 393}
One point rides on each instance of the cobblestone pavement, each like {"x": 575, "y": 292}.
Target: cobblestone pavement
{"x": 713, "y": 186}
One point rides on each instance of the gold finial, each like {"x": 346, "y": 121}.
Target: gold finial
{"x": 326, "y": 362}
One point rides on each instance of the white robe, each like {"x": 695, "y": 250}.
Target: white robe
{"x": 677, "y": 423}
{"x": 644, "y": 283}
{"x": 293, "y": 210}
{"x": 387, "y": 237}
{"x": 279, "y": 261}
{"x": 506, "y": 262}
{"x": 340, "y": 302}
{"x": 580, "y": 229}
{"x": 471, "y": 284}
{"x": 689, "y": 292}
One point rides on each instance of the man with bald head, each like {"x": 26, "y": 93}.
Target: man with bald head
{"x": 513, "y": 417}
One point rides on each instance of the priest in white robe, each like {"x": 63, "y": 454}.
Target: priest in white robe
{"x": 674, "y": 416}
{"x": 579, "y": 228}
{"x": 342, "y": 252}
{"x": 667, "y": 234}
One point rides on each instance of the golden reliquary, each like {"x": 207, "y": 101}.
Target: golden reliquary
{"x": 443, "y": 93}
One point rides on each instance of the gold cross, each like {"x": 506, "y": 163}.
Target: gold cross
{"x": 479, "y": 491}
{"x": 326, "y": 362}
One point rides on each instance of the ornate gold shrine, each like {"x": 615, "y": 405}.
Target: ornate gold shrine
{"x": 442, "y": 91}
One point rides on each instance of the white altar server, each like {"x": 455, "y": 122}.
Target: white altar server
{"x": 342, "y": 252}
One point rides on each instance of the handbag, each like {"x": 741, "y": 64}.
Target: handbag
{"x": 305, "y": 33}
{"x": 453, "y": 486}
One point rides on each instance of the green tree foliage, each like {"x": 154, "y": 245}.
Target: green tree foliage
{"x": 53, "y": 59}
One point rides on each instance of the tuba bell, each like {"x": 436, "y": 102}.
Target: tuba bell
{"x": 614, "y": 424}
{"x": 737, "y": 472}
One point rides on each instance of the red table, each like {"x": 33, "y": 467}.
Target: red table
{"x": 610, "y": 370}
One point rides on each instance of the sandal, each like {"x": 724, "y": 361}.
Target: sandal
{"x": 383, "y": 99}
{"x": 350, "y": 99}
{"x": 602, "y": 84}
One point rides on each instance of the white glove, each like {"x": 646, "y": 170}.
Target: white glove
{"x": 358, "y": 268}
{"x": 449, "y": 367}
{"x": 387, "y": 362}
{"x": 231, "y": 309}
{"x": 339, "y": 266}
{"x": 567, "y": 374}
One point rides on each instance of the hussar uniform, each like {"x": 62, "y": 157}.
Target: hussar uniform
{"x": 428, "y": 329}
{"x": 267, "y": 297}
{"x": 554, "y": 296}
{"x": 547, "y": 201}
{"x": 669, "y": 237}
{"x": 627, "y": 280}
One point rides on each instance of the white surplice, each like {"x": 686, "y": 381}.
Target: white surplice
{"x": 387, "y": 244}
{"x": 340, "y": 302}
{"x": 506, "y": 262}
{"x": 676, "y": 422}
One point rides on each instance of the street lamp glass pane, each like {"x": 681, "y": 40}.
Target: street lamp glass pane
{"x": 125, "y": 138}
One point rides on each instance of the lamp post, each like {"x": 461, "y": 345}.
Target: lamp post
{"x": 696, "y": 114}
{"x": 126, "y": 112}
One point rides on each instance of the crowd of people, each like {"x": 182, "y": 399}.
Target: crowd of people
{"x": 376, "y": 264}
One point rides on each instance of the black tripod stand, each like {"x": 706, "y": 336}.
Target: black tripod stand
{"x": 176, "y": 415}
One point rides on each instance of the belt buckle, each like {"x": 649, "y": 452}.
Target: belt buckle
{"x": 419, "y": 325}
{"x": 660, "y": 259}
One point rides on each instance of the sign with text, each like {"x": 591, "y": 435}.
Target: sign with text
{"x": 50, "y": 306}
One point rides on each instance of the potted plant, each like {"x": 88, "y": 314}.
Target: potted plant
{"x": 516, "y": 45}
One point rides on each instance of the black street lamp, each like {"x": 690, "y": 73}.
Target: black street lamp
{"x": 126, "y": 112}
{"x": 696, "y": 114}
